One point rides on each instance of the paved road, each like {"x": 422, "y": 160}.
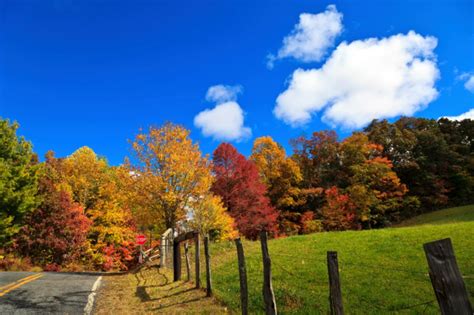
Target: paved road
{"x": 46, "y": 293}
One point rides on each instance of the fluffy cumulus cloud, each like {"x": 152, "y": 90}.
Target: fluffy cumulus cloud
{"x": 467, "y": 115}
{"x": 226, "y": 120}
{"x": 364, "y": 80}
{"x": 311, "y": 37}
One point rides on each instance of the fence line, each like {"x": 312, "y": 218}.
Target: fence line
{"x": 450, "y": 293}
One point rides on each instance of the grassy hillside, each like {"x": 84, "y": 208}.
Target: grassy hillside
{"x": 381, "y": 270}
{"x": 451, "y": 215}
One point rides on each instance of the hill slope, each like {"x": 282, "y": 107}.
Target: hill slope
{"x": 451, "y": 215}
{"x": 381, "y": 270}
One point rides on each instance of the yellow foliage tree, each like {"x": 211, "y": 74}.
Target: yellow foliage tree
{"x": 82, "y": 174}
{"x": 280, "y": 173}
{"x": 169, "y": 171}
{"x": 209, "y": 216}
{"x": 101, "y": 190}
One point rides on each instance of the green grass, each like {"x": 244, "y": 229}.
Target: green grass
{"x": 451, "y": 215}
{"x": 382, "y": 271}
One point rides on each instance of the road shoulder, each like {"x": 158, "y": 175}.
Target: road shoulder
{"x": 151, "y": 290}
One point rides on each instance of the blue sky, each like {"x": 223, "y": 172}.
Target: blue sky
{"x": 76, "y": 73}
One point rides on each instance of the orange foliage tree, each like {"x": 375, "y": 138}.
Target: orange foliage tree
{"x": 374, "y": 188}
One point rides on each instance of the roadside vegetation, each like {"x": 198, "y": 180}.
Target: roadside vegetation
{"x": 151, "y": 291}
{"x": 80, "y": 213}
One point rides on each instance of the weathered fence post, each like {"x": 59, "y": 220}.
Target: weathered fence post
{"x": 176, "y": 261}
{"x": 268, "y": 295}
{"x": 208, "y": 266}
{"x": 244, "y": 294}
{"x": 335, "y": 295}
{"x": 163, "y": 251}
{"x": 186, "y": 256}
{"x": 197, "y": 258}
{"x": 169, "y": 249}
{"x": 446, "y": 278}
{"x": 165, "y": 247}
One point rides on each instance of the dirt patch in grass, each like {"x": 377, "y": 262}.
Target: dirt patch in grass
{"x": 152, "y": 291}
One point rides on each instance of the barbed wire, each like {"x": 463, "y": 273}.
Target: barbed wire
{"x": 344, "y": 263}
{"x": 428, "y": 303}
{"x": 299, "y": 276}
{"x": 311, "y": 260}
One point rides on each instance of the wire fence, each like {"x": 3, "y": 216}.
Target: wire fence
{"x": 356, "y": 276}
{"x": 375, "y": 305}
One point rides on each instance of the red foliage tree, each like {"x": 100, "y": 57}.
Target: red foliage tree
{"x": 238, "y": 183}
{"x": 339, "y": 213}
{"x": 55, "y": 233}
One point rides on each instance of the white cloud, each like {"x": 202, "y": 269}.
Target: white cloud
{"x": 364, "y": 80}
{"x": 226, "y": 120}
{"x": 311, "y": 37}
{"x": 467, "y": 115}
{"x": 223, "y": 93}
{"x": 469, "y": 81}
{"x": 469, "y": 85}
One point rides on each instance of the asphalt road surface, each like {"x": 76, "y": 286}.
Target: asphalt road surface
{"x": 47, "y": 293}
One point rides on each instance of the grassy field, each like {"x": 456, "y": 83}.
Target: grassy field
{"x": 382, "y": 271}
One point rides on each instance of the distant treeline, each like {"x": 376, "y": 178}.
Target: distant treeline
{"x": 388, "y": 172}
{"x": 79, "y": 212}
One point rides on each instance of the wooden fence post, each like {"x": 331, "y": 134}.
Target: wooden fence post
{"x": 176, "y": 261}
{"x": 244, "y": 294}
{"x": 208, "y": 266}
{"x": 446, "y": 278}
{"x": 335, "y": 295}
{"x": 186, "y": 255}
{"x": 268, "y": 295}
{"x": 197, "y": 258}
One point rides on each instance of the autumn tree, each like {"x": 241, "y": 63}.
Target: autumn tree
{"x": 102, "y": 193}
{"x": 374, "y": 188}
{"x": 339, "y": 212}
{"x": 433, "y": 158}
{"x": 18, "y": 180}
{"x": 318, "y": 159}
{"x": 279, "y": 173}
{"x": 168, "y": 170}
{"x": 209, "y": 217}
{"x": 355, "y": 172}
{"x": 242, "y": 192}
{"x": 55, "y": 233}
{"x": 83, "y": 173}
{"x": 282, "y": 176}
